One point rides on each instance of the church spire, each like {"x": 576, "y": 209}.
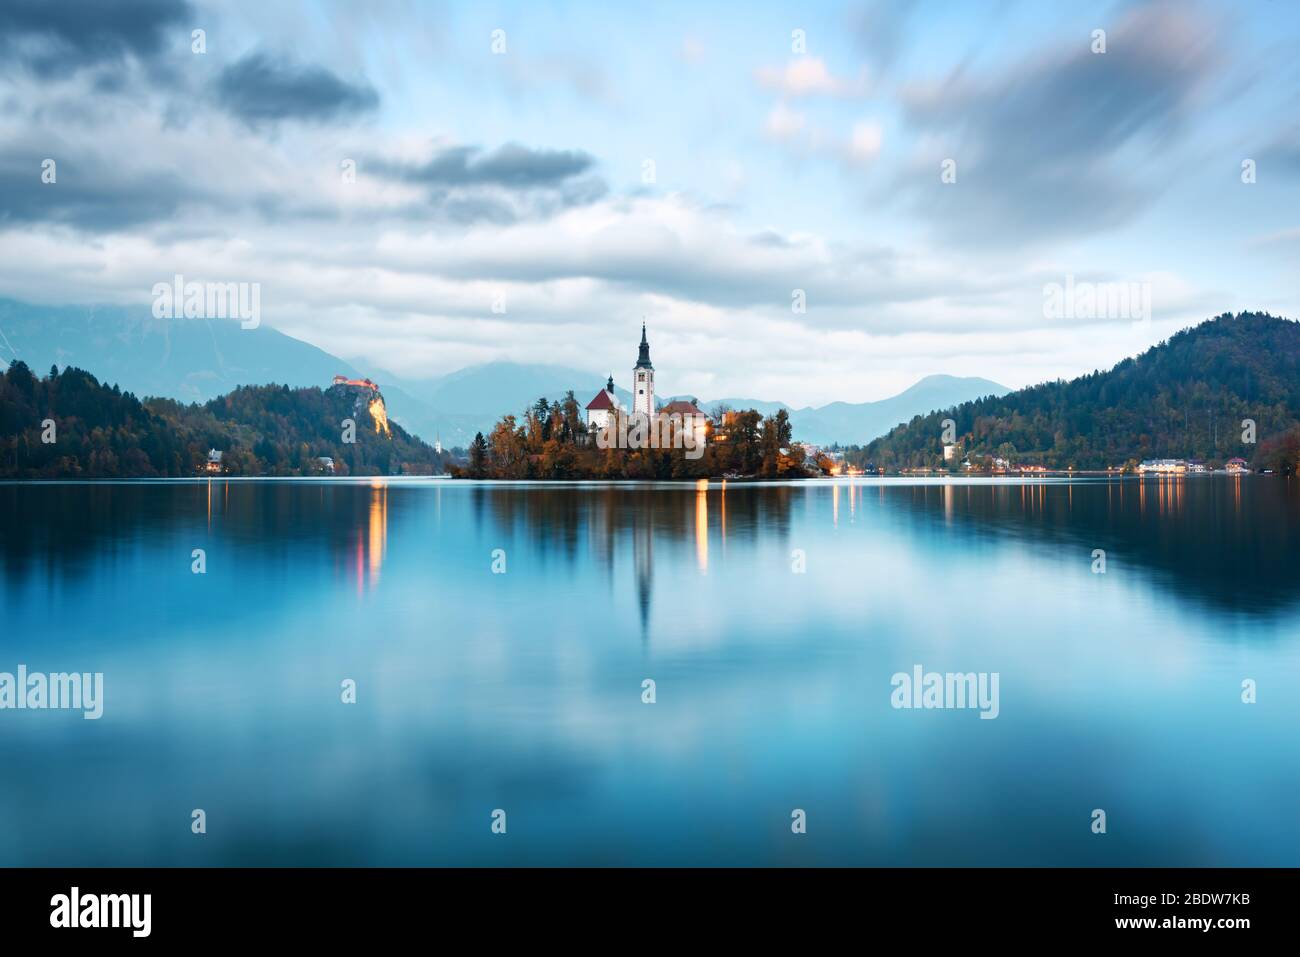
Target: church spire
{"x": 643, "y": 359}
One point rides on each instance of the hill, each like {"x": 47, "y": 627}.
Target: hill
{"x": 103, "y": 432}
{"x": 190, "y": 360}
{"x": 1184, "y": 398}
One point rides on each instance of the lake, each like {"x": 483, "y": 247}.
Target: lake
{"x": 498, "y": 637}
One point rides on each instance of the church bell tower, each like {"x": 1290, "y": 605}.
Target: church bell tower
{"x": 643, "y": 380}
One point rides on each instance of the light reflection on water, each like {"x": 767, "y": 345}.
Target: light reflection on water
{"x": 523, "y": 690}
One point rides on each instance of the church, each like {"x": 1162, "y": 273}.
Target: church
{"x": 606, "y": 403}
{"x": 605, "y": 410}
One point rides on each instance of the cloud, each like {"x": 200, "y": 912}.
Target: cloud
{"x": 62, "y": 37}
{"x": 90, "y": 193}
{"x": 512, "y": 166}
{"x": 405, "y": 262}
{"x": 467, "y": 184}
{"x": 1066, "y": 143}
{"x": 783, "y": 123}
{"x": 808, "y": 76}
{"x": 262, "y": 89}
{"x": 882, "y": 31}
{"x": 865, "y": 142}
{"x": 858, "y": 148}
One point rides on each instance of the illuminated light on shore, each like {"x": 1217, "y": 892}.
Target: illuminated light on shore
{"x": 380, "y": 416}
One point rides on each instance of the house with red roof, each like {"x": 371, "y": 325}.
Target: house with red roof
{"x": 602, "y": 407}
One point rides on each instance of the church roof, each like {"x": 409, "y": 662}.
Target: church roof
{"x": 643, "y": 358}
{"x": 683, "y": 407}
{"x": 603, "y": 400}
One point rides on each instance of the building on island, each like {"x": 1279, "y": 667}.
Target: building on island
{"x": 602, "y": 407}
{"x": 685, "y": 408}
{"x": 643, "y": 379}
{"x": 682, "y": 419}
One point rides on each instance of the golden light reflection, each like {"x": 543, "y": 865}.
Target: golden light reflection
{"x": 370, "y": 557}
{"x": 702, "y": 525}
{"x": 835, "y": 505}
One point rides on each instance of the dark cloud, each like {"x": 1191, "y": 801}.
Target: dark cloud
{"x": 511, "y": 166}
{"x": 262, "y": 89}
{"x": 465, "y": 185}
{"x": 1071, "y": 141}
{"x": 87, "y": 194}
{"x": 63, "y": 36}
{"x": 881, "y": 30}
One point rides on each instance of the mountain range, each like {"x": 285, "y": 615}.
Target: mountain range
{"x": 196, "y": 360}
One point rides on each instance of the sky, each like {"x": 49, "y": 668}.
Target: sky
{"x": 803, "y": 202}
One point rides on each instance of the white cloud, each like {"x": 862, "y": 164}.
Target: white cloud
{"x": 784, "y": 123}
{"x": 865, "y": 142}
{"x": 809, "y": 76}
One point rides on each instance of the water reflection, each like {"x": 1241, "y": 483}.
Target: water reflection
{"x": 1227, "y": 541}
{"x": 522, "y": 690}
{"x": 377, "y": 534}
{"x": 702, "y": 525}
{"x": 1205, "y": 537}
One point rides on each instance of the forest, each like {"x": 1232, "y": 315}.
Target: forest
{"x": 69, "y": 425}
{"x": 1229, "y": 387}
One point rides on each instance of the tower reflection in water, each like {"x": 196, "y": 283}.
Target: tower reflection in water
{"x": 650, "y": 522}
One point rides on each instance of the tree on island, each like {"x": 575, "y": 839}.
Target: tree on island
{"x": 550, "y": 440}
{"x": 478, "y": 453}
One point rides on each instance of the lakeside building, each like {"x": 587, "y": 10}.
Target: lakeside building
{"x": 1162, "y": 467}
{"x": 1237, "y": 466}
{"x": 214, "y": 460}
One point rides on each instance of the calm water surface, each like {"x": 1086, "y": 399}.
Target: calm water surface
{"x": 522, "y": 691}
